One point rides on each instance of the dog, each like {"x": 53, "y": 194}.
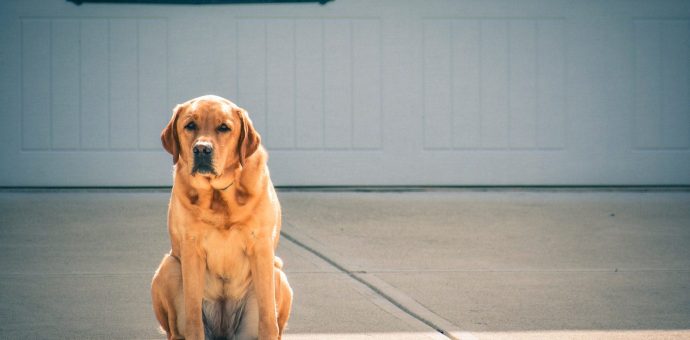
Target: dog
{"x": 221, "y": 279}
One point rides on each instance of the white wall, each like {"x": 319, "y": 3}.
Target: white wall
{"x": 390, "y": 92}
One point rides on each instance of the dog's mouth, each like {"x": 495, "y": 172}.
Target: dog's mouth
{"x": 203, "y": 164}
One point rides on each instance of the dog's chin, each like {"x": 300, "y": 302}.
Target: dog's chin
{"x": 204, "y": 170}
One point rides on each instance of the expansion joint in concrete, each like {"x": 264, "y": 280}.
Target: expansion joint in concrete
{"x": 358, "y": 276}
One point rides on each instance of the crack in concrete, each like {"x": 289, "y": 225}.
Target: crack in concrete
{"x": 354, "y": 275}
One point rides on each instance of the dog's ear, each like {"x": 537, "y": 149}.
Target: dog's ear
{"x": 169, "y": 137}
{"x": 249, "y": 139}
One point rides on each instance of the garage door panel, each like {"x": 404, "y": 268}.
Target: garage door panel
{"x": 252, "y": 82}
{"x": 529, "y": 167}
{"x": 86, "y": 83}
{"x": 432, "y": 168}
{"x": 551, "y": 91}
{"x": 308, "y": 81}
{"x": 366, "y": 84}
{"x": 195, "y": 61}
{"x": 280, "y": 89}
{"x": 65, "y": 83}
{"x": 466, "y": 75}
{"x": 35, "y": 86}
{"x": 437, "y": 84}
{"x": 523, "y": 83}
{"x": 337, "y": 85}
{"x": 152, "y": 83}
{"x": 494, "y": 83}
{"x": 122, "y": 69}
{"x": 78, "y": 168}
{"x": 95, "y": 87}
{"x": 662, "y": 100}
{"x": 676, "y": 83}
{"x": 315, "y": 92}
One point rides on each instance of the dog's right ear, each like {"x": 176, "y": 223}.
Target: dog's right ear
{"x": 169, "y": 137}
{"x": 249, "y": 138}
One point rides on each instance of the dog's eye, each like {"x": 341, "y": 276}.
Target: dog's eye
{"x": 223, "y": 128}
{"x": 191, "y": 126}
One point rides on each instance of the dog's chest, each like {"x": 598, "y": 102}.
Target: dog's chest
{"x": 228, "y": 271}
{"x": 214, "y": 212}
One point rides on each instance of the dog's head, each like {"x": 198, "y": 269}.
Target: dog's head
{"x": 209, "y": 134}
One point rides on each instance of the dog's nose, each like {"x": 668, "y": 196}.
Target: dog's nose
{"x": 203, "y": 148}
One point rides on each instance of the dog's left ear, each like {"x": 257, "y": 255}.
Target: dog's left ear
{"x": 169, "y": 138}
{"x": 249, "y": 139}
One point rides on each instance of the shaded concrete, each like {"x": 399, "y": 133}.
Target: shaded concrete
{"x": 553, "y": 300}
{"x": 497, "y": 230}
{"x": 534, "y": 264}
{"x": 495, "y": 265}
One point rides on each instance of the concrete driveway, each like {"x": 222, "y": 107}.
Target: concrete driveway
{"x": 500, "y": 264}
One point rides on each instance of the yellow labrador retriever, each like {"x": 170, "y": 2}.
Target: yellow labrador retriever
{"x": 221, "y": 278}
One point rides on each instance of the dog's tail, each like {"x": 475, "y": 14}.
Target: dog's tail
{"x": 277, "y": 262}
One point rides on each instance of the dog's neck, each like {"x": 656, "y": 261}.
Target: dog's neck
{"x": 228, "y": 187}
{"x": 237, "y": 184}
{"x": 227, "y": 179}
{"x": 233, "y": 195}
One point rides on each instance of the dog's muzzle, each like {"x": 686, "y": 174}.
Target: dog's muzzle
{"x": 203, "y": 158}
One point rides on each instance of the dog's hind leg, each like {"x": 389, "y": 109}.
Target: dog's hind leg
{"x": 166, "y": 294}
{"x": 248, "y": 327}
{"x": 283, "y": 299}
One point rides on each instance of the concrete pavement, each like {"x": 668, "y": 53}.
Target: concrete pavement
{"x": 400, "y": 265}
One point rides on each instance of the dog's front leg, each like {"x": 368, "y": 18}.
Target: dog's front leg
{"x": 193, "y": 280}
{"x": 261, "y": 259}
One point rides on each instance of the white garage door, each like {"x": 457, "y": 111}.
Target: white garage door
{"x": 511, "y": 92}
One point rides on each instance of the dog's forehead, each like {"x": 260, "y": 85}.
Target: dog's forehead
{"x": 209, "y": 107}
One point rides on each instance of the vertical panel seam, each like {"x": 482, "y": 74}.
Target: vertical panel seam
{"x": 167, "y": 65}
{"x": 237, "y": 58}
{"x": 352, "y": 85}
{"x": 662, "y": 113}
{"x": 21, "y": 84}
{"x": 509, "y": 58}
{"x": 138, "y": 51}
{"x": 633, "y": 132}
{"x": 480, "y": 83}
{"x": 109, "y": 92}
{"x": 687, "y": 60}
{"x": 50, "y": 83}
{"x": 381, "y": 116}
{"x": 294, "y": 83}
{"x": 424, "y": 118}
{"x": 537, "y": 83}
{"x": 81, "y": 71}
{"x": 323, "y": 85}
{"x": 564, "y": 84}
{"x": 451, "y": 68}
{"x": 266, "y": 107}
